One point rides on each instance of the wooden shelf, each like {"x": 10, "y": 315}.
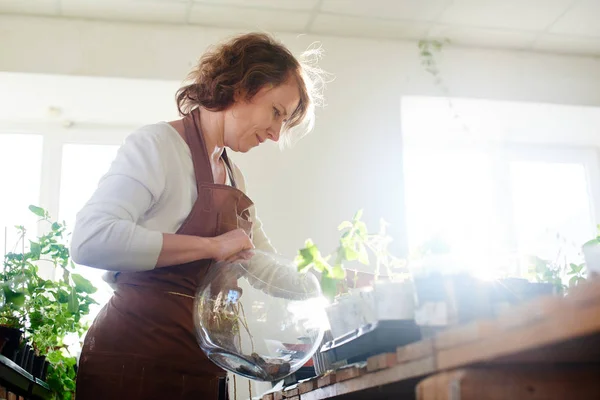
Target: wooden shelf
{"x": 550, "y": 332}
{"x": 17, "y": 380}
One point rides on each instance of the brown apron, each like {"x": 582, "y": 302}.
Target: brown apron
{"x": 142, "y": 344}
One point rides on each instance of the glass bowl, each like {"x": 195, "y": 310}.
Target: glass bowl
{"x": 259, "y": 318}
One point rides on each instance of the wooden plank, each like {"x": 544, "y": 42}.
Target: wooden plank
{"x": 464, "y": 334}
{"x": 291, "y": 391}
{"x": 267, "y": 396}
{"x": 562, "y": 327}
{"x": 326, "y": 380}
{"x": 307, "y": 385}
{"x": 584, "y": 294}
{"x": 511, "y": 383}
{"x": 415, "y": 351}
{"x": 395, "y": 375}
{"x": 381, "y": 361}
{"x": 531, "y": 312}
{"x": 278, "y": 395}
{"x": 349, "y": 373}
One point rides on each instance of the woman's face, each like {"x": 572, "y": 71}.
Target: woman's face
{"x": 250, "y": 123}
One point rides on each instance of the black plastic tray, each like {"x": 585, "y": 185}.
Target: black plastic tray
{"x": 372, "y": 339}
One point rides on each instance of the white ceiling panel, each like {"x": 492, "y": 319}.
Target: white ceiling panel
{"x": 155, "y": 11}
{"x": 374, "y": 28}
{"x": 529, "y": 15}
{"x": 421, "y": 10}
{"x": 249, "y": 18}
{"x": 493, "y": 38}
{"x": 582, "y": 19}
{"x": 273, "y": 4}
{"x": 563, "y": 44}
{"x": 31, "y": 7}
{"x": 568, "y": 26}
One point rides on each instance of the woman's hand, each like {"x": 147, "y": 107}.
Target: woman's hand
{"x": 180, "y": 249}
{"x": 231, "y": 246}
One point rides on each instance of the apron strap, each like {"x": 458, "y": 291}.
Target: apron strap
{"x": 229, "y": 169}
{"x": 195, "y": 141}
{"x": 200, "y": 158}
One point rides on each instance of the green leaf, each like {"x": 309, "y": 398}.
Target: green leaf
{"x": 35, "y": 249}
{"x": 345, "y": 225}
{"x": 15, "y": 298}
{"x": 73, "y": 304}
{"x": 358, "y": 215}
{"x": 363, "y": 256}
{"x": 55, "y": 226}
{"x": 302, "y": 264}
{"x": 328, "y": 286}
{"x": 338, "y": 272}
{"x": 37, "y": 211}
{"x": 322, "y": 265}
{"x": 573, "y": 281}
{"x": 361, "y": 227}
{"x": 82, "y": 284}
{"x": 62, "y": 296}
{"x": 350, "y": 254}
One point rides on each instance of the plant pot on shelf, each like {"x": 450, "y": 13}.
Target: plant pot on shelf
{"x": 394, "y": 300}
{"x": 447, "y": 300}
{"x": 591, "y": 254}
{"x": 11, "y": 338}
{"x": 38, "y": 366}
{"x": 351, "y": 311}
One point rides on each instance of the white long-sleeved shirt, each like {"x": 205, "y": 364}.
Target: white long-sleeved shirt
{"x": 149, "y": 190}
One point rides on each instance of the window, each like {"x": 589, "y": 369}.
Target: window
{"x": 551, "y": 205}
{"x": 20, "y": 176}
{"x": 450, "y": 193}
{"x": 49, "y": 168}
{"x": 494, "y": 196}
{"x": 82, "y": 167}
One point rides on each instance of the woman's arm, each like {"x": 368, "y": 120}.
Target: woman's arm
{"x": 180, "y": 249}
{"x": 106, "y": 233}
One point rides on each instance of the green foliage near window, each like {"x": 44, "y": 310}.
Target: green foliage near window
{"x": 354, "y": 242}
{"x": 563, "y": 275}
{"x": 47, "y": 310}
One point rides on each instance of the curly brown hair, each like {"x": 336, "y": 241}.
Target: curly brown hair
{"x": 245, "y": 64}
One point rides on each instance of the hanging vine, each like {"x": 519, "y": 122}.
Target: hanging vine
{"x": 429, "y": 53}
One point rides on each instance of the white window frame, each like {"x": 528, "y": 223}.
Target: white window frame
{"x": 502, "y": 154}
{"x": 54, "y": 137}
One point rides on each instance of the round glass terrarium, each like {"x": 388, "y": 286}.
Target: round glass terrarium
{"x": 259, "y": 318}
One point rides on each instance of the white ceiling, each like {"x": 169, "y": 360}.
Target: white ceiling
{"x": 558, "y": 26}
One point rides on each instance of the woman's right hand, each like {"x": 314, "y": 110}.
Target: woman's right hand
{"x": 231, "y": 246}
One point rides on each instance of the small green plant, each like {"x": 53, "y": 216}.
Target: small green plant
{"x": 560, "y": 273}
{"x": 46, "y": 309}
{"x": 595, "y": 241}
{"x": 353, "y": 244}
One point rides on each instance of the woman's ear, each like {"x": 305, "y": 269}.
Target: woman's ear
{"x": 239, "y": 95}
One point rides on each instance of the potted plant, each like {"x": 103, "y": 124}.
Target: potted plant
{"x": 11, "y": 316}
{"x": 591, "y": 253}
{"x": 47, "y": 310}
{"x": 352, "y": 304}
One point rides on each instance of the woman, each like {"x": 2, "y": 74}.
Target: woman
{"x": 171, "y": 205}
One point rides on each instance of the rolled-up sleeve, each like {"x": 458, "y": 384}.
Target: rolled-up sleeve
{"x": 106, "y": 234}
